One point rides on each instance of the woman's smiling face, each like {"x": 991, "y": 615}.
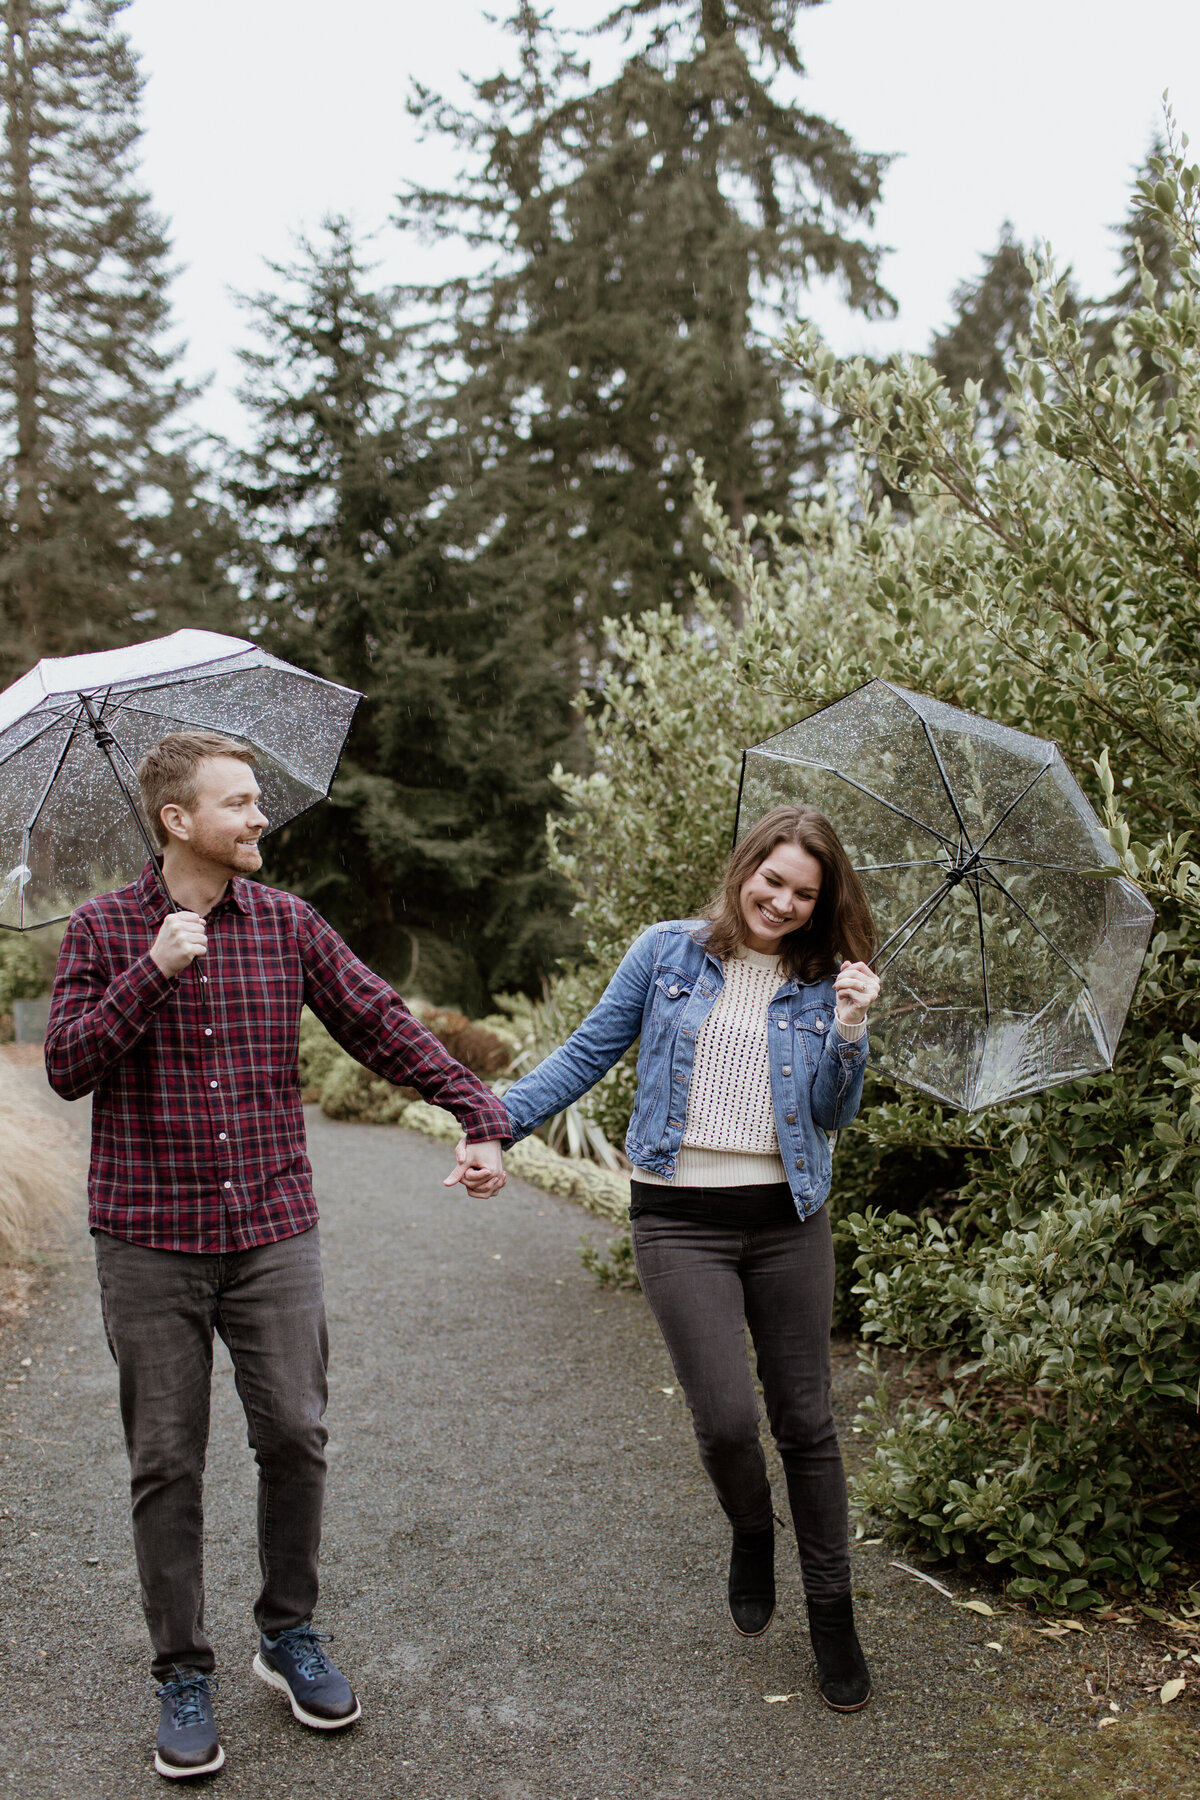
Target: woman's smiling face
{"x": 779, "y": 897}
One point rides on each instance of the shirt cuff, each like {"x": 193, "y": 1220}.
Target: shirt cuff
{"x": 850, "y": 1034}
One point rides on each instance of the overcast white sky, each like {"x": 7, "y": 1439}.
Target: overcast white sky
{"x": 261, "y": 115}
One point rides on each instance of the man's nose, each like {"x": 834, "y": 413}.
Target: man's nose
{"x": 258, "y": 819}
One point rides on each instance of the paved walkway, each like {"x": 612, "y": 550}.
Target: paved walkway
{"x": 522, "y": 1563}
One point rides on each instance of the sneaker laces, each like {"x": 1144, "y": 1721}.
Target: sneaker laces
{"x": 304, "y": 1644}
{"x": 187, "y": 1691}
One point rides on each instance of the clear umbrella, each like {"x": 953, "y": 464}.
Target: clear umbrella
{"x": 1013, "y": 942}
{"x": 73, "y": 728}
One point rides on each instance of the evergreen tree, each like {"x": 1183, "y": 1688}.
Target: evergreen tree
{"x": 641, "y": 230}
{"x": 993, "y": 314}
{"x": 430, "y": 857}
{"x": 105, "y": 534}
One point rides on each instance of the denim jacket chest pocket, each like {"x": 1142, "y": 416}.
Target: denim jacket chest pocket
{"x": 812, "y": 1029}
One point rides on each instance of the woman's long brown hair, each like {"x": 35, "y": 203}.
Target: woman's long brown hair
{"x": 841, "y": 924}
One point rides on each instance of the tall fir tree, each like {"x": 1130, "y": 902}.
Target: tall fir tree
{"x": 106, "y": 532}
{"x": 992, "y": 315}
{"x": 637, "y": 234}
{"x": 430, "y": 857}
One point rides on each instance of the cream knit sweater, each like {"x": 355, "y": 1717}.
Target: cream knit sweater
{"x": 729, "y": 1137}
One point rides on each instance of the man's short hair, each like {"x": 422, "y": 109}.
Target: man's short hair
{"x": 167, "y": 774}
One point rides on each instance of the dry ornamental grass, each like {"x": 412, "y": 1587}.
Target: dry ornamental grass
{"x": 40, "y": 1170}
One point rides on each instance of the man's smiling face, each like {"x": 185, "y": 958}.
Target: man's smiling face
{"x": 224, "y": 825}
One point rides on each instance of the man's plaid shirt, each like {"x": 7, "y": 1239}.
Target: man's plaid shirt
{"x": 197, "y": 1128}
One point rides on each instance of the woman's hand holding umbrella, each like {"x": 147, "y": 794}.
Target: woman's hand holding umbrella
{"x": 857, "y": 988}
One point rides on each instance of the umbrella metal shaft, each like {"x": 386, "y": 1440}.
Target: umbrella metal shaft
{"x": 106, "y": 742}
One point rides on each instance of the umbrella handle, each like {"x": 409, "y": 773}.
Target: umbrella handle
{"x": 106, "y": 742}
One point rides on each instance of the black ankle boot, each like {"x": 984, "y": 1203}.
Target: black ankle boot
{"x": 842, "y": 1674}
{"x": 752, "y": 1581}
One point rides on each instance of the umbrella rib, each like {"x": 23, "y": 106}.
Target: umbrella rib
{"x": 996, "y": 882}
{"x": 1008, "y": 809}
{"x": 828, "y": 769}
{"x": 20, "y": 749}
{"x": 281, "y": 761}
{"x": 737, "y": 810}
{"x": 924, "y": 862}
{"x": 987, "y": 1004}
{"x": 53, "y": 776}
{"x": 946, "y": 783}
{"x": 916, "y": 919}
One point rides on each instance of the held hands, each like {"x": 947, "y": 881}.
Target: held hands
{"x": 856, "y": 987}
{"x": 181, "y": 939}
{"x": 480, "y": 1169}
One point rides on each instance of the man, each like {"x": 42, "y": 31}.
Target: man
{"x": 184, "y": 1025}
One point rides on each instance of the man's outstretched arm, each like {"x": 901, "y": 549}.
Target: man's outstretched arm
{"x": 369, "y": 1019}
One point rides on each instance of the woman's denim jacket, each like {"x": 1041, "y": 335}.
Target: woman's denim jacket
{"x": 665, "y": 988}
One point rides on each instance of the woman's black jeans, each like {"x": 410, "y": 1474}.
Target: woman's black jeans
{"x": 705, "y": 1284}
{"x": 161, "y": 1308}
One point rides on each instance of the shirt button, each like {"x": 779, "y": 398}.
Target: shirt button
{"x": 208, "y": 1031}
{"x": 204, "y": 978}
{"x": 229, "y": 1184}
{"x": 787, "y": 1069}
{"x": 212, "y": 1084}
{"x": 222, "y": 1135}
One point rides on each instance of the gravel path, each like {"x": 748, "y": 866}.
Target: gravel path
{"x": 522, "y": 1562}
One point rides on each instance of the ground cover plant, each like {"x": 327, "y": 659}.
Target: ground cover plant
{"x": 1042, "y": 1260}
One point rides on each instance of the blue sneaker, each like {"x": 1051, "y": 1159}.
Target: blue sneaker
{"x": 187, "y": 1735}
{"x": 295, "y": 1663}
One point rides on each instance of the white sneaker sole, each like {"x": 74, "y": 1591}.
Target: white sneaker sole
{"x": 275, "y": 1680}
{"x": 173, "y": 1773}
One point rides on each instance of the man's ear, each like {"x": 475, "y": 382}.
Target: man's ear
{"x": 176, "y": 822}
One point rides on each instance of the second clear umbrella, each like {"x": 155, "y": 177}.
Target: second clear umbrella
{"x": 1012, "y": 941}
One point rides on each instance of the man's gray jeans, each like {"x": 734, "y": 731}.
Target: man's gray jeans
{"x": 161, "y": 1308}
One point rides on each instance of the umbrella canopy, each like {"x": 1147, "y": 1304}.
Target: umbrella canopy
{"x": 1013, "y": 941}
{"x": 68, "y": 829}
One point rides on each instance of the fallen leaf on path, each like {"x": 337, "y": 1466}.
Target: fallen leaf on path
{"x": 909, "y": 1570}
{"x": 993, "y": 1646}
{"x": 777, "y": 1699}
{"x": 979, "y": 1606}
{"x": 1101, "y": 1723}
{"x": 1171, "y": 1690}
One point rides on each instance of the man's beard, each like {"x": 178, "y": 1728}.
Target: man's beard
{"x": 237, "y": 859}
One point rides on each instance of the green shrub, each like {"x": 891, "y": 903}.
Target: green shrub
{"x": 21, "y": 976}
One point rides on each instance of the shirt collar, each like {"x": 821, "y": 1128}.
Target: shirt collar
{"x": 152, "y": 895}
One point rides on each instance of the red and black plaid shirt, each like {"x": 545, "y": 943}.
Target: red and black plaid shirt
{"x": 197, "y": 1128}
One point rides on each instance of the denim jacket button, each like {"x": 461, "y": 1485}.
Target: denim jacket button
{"x": 791, "y": 1118}
{"x": 799, "y": 1162}
{"x": 820, "y": 1024}
{"x": 787, "y": 1068}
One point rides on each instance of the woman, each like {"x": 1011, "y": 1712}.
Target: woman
{"x": 753, "y": 1050}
